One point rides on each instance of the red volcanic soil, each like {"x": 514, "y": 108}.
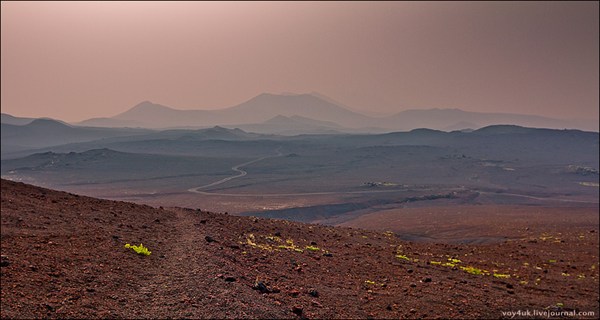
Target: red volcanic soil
{"x": 479, "y": 223}
{"x": 63, "y": 256}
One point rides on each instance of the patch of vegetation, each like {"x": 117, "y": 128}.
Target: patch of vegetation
{"x": 400, "y": 255}
{"x": 273, "y": 238}
{"x": 448, "y": 264}
{"x": 312, "y": 248}
{"x": 289, "y": 245}
{"x": 473, "y": 270}
{"x": 139, "y": 249}
{"x": 501, "y": 275}
{"x": 403, "y": 257}
{"x": 373, "y": 283}
{"x": 388, "y": 233}
{"x": 251, "y": 241}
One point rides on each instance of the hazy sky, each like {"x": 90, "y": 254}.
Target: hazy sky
{"x": 74, "y": 61}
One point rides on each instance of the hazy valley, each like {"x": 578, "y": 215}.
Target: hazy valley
{"x": 294, "y": 167}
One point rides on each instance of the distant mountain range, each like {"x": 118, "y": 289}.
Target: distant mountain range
{"x": 39, "y": 133}
{"x": 258, "y": 118}
{"x": 313, "y": 113}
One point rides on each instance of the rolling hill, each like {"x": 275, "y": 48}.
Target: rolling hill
{"x": 18, "y": 121}
{"x": 40, "y": 133}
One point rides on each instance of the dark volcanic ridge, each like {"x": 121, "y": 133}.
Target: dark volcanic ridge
{"x": 63, "y": 256}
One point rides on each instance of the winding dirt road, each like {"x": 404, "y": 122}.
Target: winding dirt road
{"x": 242, "y": 173}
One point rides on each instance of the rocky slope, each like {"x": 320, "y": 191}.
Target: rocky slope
{"x": 63, "y": 255}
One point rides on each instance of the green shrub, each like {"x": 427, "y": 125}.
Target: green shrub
{"x": 139, "y": 249}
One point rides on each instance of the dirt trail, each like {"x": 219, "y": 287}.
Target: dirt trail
{"x": 190, "y": 282}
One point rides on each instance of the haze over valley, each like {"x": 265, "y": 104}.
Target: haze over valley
{"x": 295, "y": 167}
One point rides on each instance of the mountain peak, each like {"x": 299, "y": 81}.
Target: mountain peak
{"x": 145, "y": 105}
{"x": 144, "y": 108}
{"x": 47, "y": 123}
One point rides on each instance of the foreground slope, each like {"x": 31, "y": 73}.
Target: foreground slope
{"x": 63, "y": 256}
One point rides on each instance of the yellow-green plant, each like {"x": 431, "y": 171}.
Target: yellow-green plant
{"x": 449, "y": 264}
{"x": 312, "y": 248}
{"x": 403, "y": 257}
{"x": 473, "y": 270}
{"x": 139, "y": 249}
{"x": 290, "y": 246}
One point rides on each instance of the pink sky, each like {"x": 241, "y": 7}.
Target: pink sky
{"x": 74, "y": 61}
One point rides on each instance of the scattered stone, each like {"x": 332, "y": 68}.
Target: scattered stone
{"x": 509, "y": 286}
{"x": 313, "y": 292}
{"x": 277, "y": 234}
{"x": 328, "y": 254}
{"x": 313, "y": 243}
{"x": 261, "y": 287}
{"x": 297, "y": 310}
{"x": 230, "y": 279}
{"x": 413, "y": 285}
{"x": 209, "y": 239}
{"x": 49, "y": 307}
{"x": 114, "y": 236}
{"x": 427, "y": 279}
{"x": 410, "y": 270}
{"x": 203, "y": 221}
{"x": 510, "y": 291}
{"x": 389, "y": 307}
{"x": 294, "y": 293}
{"x": 4, "y": 261}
